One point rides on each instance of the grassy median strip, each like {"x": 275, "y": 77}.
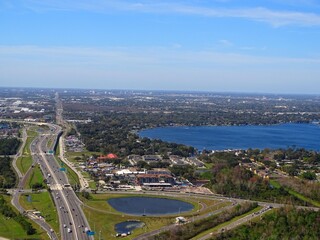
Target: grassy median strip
{"x": 24, "y": 163}
{"x": 49, "y": 143}
{"x": 35, "y": 177}
{"x": 42, "y": 202}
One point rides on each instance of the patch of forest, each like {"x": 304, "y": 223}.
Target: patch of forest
{"x": 8, "y": 212}
{"x": 7, "y": 175}
{"x": 285, "y": 223}
{"x": 9, "y": 146}
{"x": 227, "y": 177}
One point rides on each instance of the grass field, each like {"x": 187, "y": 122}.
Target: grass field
{"x": 24, "y": 163}
{"x": 49, "y": 143}
{"x": 105, "y": 217}
{"x": 296, "y": 194}
{"x": 31, "y": 135}
{"x": 42, "y": 202}
{"x": 209, "y": 165}
{"x": 92, "y": 185}
{"x": 35, "y": 177}
{"x": 12, "y": 230}
{"x": 72, "y": 155}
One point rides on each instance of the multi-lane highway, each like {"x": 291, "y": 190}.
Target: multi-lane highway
{"x": 71, "y": 217}
{"x": 17, "y": 192}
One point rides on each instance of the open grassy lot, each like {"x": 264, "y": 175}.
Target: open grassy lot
{"x": 72, "y": 155}
{"x": 12, "y": 230}
{"x": 35, "y": 177}
{"x": 24, "y": 163}
{"x": 42, "y": 202}
{"x": 102, "y": 217}
{"x": 92, "y": 185}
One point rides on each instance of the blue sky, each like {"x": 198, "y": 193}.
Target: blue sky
{"x": 267, "y": 46}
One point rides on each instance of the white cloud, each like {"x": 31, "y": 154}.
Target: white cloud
{"x": 137, "y": 55}
{"x": 153, "y": 68}
{"x": 276, "y": 18}
{"x": 225, "y": 43}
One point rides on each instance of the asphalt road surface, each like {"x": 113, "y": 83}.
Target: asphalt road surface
{"x": 71, "y": 217}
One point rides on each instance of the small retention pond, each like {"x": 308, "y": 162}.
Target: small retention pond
{"x": 128, "y": 226}
{"x": 149, "y": 206}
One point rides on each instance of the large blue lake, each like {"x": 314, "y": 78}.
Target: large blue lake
{"x": 240, "y": 137}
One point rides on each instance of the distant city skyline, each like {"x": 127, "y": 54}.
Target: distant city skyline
{"x": 263, "y": 46}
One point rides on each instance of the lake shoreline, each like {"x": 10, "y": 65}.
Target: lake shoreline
{"x": 239, "y": 137}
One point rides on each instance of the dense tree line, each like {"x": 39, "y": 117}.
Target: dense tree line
{"x": 7, "y": 175}
{"x": 240, "y": 182}
{"x": 9, "y": 146}
{"x": 8, "y": 212}
{"x": 281, "y": 224}
{"x": 185, "y": 171}
{"x": 298, "y": 154}
{"x": 190, "y": 230}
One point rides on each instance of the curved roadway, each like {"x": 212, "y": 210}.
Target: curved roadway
{"x": 71, "y": 217}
